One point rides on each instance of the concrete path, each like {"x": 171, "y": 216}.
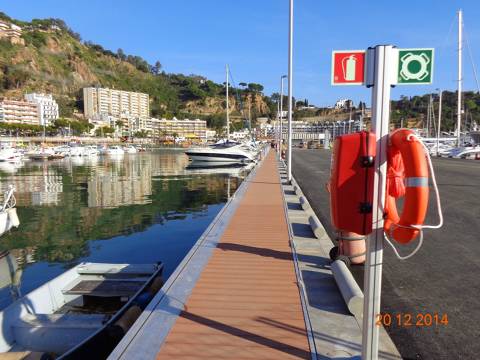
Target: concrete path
{"x": 337, "y": 334}
{"x": 442, "y": 278}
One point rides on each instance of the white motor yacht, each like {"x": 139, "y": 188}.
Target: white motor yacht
{"x": 114, "y": 150}
{"x": 466, "y": 152}
{"x": 77, "y": 151}
{"x": 90, "y": 150}
{"x": 42, "y": 153}
{"x": 222, "y": 151}
{"x": 130, "y": 149}
{"x": 10, "y": 154}
{"x": 63, "y": 149}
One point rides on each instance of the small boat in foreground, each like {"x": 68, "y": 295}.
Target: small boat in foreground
{"x": 83, "y": 313}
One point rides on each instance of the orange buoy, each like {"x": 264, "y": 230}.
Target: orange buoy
{"x": 406, "y": 151}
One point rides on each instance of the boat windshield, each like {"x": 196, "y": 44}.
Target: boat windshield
{"x": 223, "y": 145}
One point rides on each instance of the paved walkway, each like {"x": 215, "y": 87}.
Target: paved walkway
{"x": 246, "y": 303}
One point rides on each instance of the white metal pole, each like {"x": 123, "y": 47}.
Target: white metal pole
{"x": 281, "y": 111}
{"x": 277, "y": 127}
{"x": 429, "y": 115}
{"x": 439, "y": 120}
{"x": 290, "y": 94}
{"x": 228, "y": 116}
{"x": 459, "y": 95}
{"x": 383, "y": 72}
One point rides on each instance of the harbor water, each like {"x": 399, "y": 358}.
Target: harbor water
{"x": 135, "y": 208}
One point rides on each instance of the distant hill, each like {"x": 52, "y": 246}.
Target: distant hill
{"x": 56, "y": 60}
{"x": 414, "y": 109}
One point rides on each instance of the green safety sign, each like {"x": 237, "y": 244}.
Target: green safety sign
{"x": 415, "y": 66}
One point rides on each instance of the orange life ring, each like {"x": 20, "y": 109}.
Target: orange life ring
{"x": 402, "y": 228}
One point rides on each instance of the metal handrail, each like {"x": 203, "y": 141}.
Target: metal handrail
{"x": 9, "y": 198}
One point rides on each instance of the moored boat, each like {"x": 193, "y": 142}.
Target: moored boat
{"x": 8, "y": 211}
{"x": 83, "y": 311}
{"x": 130, "y": 149}
{"x": 90, "y": 150}
{"x": 113, "y": 150}
{"x": 10, "y": 154}
{"x": 44, "y": 153}
{"x": 224, "y": 152}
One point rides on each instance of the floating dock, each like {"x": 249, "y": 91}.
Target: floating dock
{"x": 239, "y": 293}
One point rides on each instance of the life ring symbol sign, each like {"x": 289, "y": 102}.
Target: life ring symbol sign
{"x": 415, "y": 66}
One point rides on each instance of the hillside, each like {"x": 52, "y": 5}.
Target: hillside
{"x": 55, "y": 60}
{"x": 414, "y": 109}
{"x": 411, "y": 110}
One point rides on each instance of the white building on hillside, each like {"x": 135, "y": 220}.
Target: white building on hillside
{"x": 47, "y": 107}
{"x": 344, "y": 104}
{"x": 11, "y": 32}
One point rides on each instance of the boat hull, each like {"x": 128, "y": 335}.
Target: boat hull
{"x": 221, "y": 157}
{"x": 75, "y": 335}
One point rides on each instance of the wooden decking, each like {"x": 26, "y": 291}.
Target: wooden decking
{"x": 246, "y": 304}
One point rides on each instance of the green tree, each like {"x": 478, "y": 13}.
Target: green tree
{"x": 253, "y": 87}
{"x": 105, "y": 130}
{"x": 157, "y": 68}
{"x": 142, "y": 134}
{"x": 121, "y": 54}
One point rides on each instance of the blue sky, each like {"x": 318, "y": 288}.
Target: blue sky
{"x": 200, "y": 36}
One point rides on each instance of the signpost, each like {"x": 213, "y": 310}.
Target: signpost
{"x": 380, "y": 68}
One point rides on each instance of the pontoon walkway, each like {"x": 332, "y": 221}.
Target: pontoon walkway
{"x": 245, "y": 302}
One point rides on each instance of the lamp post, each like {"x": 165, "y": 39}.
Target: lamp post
{"x": 290, "y": 93}
{"x": 277, "y": 126}
{"x": 281, "y": 111}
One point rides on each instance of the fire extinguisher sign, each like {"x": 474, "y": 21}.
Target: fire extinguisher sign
{"x": 348, "y": 67}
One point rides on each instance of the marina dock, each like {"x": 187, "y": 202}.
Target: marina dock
{"x": 240, "y": 292}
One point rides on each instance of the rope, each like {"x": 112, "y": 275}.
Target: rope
{"x": 420, "y": 243}
{"x": 471, "y": 59}
{"x": 238, "y": 97}
{"x": 414, "y": 226}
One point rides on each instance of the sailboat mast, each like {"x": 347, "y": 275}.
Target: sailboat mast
{"x": 228, "y": 115}
{"x": 459, "y": 100}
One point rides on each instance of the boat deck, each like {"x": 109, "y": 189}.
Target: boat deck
{"x": 246, "y": 303}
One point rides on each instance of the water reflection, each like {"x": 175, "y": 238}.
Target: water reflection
{"x": 69, "y": 207}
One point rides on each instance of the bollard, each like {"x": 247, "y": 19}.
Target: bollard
{"x": 351, "y": 293}
{"x": 304, "y": 203}
{"x": 317, "y": 227}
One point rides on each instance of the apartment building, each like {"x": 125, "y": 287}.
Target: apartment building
{"x": 188, "y": 129}
{"x": 47, "y": 107}
{"x": 116, "y": 103}
{"x": 11, "y": 32}
{"x": 19, "y": 112}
